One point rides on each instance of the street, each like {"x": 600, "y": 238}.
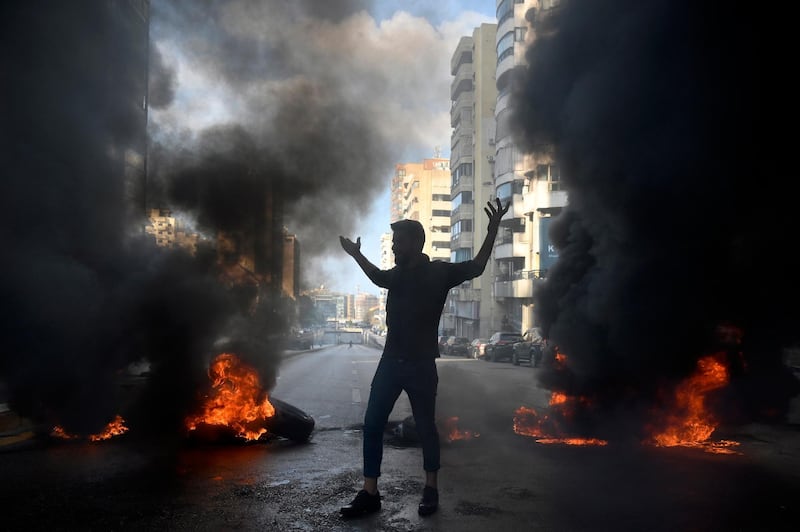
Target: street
{"x": 494, "y": 480}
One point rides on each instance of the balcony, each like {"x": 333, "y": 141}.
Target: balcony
{"x": 514, "y": 246}
{"x": 519, "y": 289}
{"x": 461, "y": 240}
{"x": 465, "y": 182}
{"x": 462, "y": 55}
{"x": 462, "y": 82}
{"x": 463, "y": 132}
{"x": 461, "y": 109}
{"x": 504, "y": 67}
{"x": 520, "y": 285}
{"x": 462, "y": 212}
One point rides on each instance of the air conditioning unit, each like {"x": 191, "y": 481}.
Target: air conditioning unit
{"x": 491, "y": 141}
{"x": 490, "y": 158}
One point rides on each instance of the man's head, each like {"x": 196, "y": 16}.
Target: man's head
{"x": 407, "y": 240}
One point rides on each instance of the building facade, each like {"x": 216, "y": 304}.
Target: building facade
{"x": 529, "y": 181}
{"x": 421, "y": 191}
{"x": 168, "y": 231}
{"x": 471, "y": 307}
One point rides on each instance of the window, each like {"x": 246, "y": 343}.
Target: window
{"x": 461, "y": 255}
{"x": 460, "y": 227}
{"x": 549, "y": 173}
{"x": 505, "y": 46}
{"x": 463, "y": 170}
{"x": 504, "y": 11}
{"x": 506, "y": 190}
{"x": 440, "y": 212}
{"x": 441, "y": 197}
{"x": 440, "y": 245}
{"x": 520, "y": 33}
{"x": 462, "y": 198}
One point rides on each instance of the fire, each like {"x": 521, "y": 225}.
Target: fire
{"x": 545, "y": 429}
{"x": 115, "y": 428}
{"x": 454, "y": 433}
{"x": 236, "y": 400}
{"x": 59, "y": 432}
{"x": 690, "y": 424}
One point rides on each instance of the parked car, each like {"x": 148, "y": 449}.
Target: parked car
{"x": 477, "y": 347}
{"x": 457, "y": 346}
{"x": 442, "y": 344}
{"x": 530, "y": 349}
{"x": 501, "y": 346}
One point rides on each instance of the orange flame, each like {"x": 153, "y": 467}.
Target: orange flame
{"x": 544, "y": 429}
{"x": 115, "y": 428}
{"x": 690, "y": 424}
{"x": 236, "y": 399}
{"x": 59, "y": 432}
{"x": 453, "y": 433}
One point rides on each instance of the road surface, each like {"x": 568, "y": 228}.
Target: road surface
{"x": 496, "y": 480}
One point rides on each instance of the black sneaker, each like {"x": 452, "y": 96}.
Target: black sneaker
{"x": 364, "y": 503}
{"x": 430, "y": 501}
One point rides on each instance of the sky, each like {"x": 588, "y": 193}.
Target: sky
{"x": 393, "y": 60}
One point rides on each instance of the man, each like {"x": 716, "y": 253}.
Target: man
{"x": 417, "y": 288}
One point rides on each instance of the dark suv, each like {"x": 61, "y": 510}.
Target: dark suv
{"x": 457, "y": 346}
{"x": 501, "y": 346}
{"x": 530, "y": 349}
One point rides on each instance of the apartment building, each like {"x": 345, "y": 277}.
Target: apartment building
{"x": 421, "y": 191}
{"x": 471, "y": 306}
{"x": 530, "y": 181}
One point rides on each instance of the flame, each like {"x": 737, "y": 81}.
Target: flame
{"x": 114, "y": 428}
{"x": 236, "y": 400}
{"x": 545, "y": 429}
{"x": 690, "y": 424}
{"x": 454, "y": 433}
{"x": 59, "y": 432}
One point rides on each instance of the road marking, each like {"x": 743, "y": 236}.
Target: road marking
{"x": 356, "y": 395}
{"x": 355, "y": 372}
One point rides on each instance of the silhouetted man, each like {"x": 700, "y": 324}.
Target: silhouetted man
{"x": 417, "y": 289}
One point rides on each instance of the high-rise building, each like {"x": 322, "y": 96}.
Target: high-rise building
{"x": 170, "y": 232}
{"x": 530, "y": 181}
{"x": 365, "y": 306}
{"x": 474, "y": 96}
{"x": 421, "y": 191}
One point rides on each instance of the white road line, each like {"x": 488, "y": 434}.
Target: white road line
{"x": 356, "y": 395}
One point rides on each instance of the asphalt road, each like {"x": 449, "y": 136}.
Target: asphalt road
{"x": 496, "y": 480}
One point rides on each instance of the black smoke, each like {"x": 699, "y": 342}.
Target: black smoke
{"x": 679, "y": 226}
{"x": 295, "y": 125}
{"x": 85, "y": 293}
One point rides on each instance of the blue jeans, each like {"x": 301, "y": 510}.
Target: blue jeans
{"x": 419, "y": 379}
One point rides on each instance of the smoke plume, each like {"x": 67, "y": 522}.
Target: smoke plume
{"x": 85, "y": 293}
{"x": 676, "y": 242}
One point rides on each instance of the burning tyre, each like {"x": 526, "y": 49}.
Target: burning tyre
{"x": 237, "y": 405}
{"x": 290, "y": 422}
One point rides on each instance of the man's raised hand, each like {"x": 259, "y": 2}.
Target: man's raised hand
{"x": 350, "y": 247}
{"x": 496, "y": 214}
